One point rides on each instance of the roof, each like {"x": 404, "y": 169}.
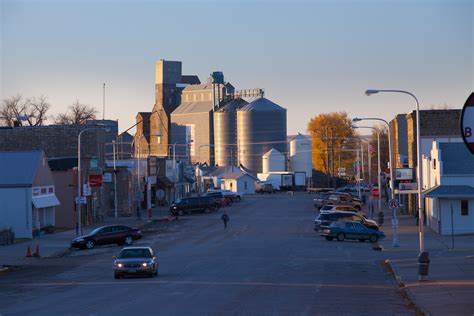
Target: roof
{"x": 197, "y": 87}
{"x": 232, "y": 105}
{"x": 272, "y": 152}
{"x": 262, "y": 104}
{"x": 18, "y": 168}
{"x": 450, "y": 191}
{"x": 234, "y": 176}
{"x": 193, "y": 107}
{"x": 144, "y": 115}
{"x": 456, "y": 158}
{"x": 190, "y": 79}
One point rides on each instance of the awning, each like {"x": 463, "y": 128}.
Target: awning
{"x": 450, "y": 191}
{"x": 45, "y": 201}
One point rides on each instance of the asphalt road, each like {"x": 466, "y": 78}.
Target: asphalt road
{"x": 269, "y": 261}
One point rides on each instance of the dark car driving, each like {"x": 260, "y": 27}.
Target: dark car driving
{"x": 351, "y": 230}
{"x": 135, "y": 261}
{"x": 326, "y": 218}
{"x": 106, "y": 235}
{"x": 204, "y": 204}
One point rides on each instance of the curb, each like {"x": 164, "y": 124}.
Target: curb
{"x": 390, "y": 267}
{"x": 4, "y": 270}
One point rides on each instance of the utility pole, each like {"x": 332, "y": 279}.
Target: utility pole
{"x": 103, "y": 103}
{"x": 327, "y": 157}
{"x": 115, "y": 184}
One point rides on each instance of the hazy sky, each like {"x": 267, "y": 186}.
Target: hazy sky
{"x": 310, "y": 56}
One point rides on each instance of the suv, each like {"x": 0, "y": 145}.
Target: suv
{"x": 325, "y": 219}
{"x": 204, "y": 204}
{"x": 264, "y": 188}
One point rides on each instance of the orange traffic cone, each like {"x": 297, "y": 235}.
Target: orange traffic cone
{"x": 28, "y": 252}
{"x": 37, "y": 253}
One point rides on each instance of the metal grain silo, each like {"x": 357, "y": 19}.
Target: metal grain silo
{"x": 273, "y": 161}
{"x": 225, "y": 132}
{"x": 261, "y": 126}
{"x": 301, "y": 155}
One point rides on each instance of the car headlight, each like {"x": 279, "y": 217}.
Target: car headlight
{"x": 119, "y": 265}
{"x": 144, "y": 264}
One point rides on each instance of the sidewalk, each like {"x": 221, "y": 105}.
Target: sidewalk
{"x": 450, "y": 288}
{"x": 56, "y": 245}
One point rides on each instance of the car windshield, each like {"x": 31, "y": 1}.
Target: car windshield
{"x": 326, "y": 208}
{"x": 134, "y": 253}
{"x": 95, "y": 231}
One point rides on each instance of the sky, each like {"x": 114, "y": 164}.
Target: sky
{"x": 309, "y": 56}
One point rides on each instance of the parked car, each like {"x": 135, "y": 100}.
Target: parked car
{"x": 235, "y": 196}
{"x": 223, "y": 200}
{"x": 264, "y": 188}
{"x": 338, "y": 198}
{"x": 335, "y": 208}
{"x": 325, "y": 219}
{"x": 205, "y": 204}
{"x": 351, "y": 230}
{"x": 106, "y": 235}
{"x": 135, "y": 261}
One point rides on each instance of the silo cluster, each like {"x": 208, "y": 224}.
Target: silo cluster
{"x": 225, "y": 132}
{"x": 261, "y": 126}
{"x": 301, "y": 155}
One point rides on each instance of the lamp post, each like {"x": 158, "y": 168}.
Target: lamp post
{"x": 79, "y": 194}
{"x": 174, "y": 163}
{"x": 423, "y": 257}
{"x": 392, "y": 176}
{"x": 378, "y": 162}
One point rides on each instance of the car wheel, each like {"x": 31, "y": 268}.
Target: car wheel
{"x": 357, "y": 207}
{"x": 328, "y": 238}
{"x": 341, "y": 237}
{"x": 362, "y": 240}
{"x": 128, "y": 240}
{"x": 230, "y": 203}
{"x": 180, "y": 213}
{"x": 90, "y": 244}
{"x": 373, "y": 238}
{"x": 207, "y": 210}
{"x": 239, "y": 198}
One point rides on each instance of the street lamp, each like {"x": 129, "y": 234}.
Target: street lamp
{"x": 378, "y": 162}
{"x": 423, "y": 257}
{"x": 392, "y": 176}
{"x": 79, "y": 194}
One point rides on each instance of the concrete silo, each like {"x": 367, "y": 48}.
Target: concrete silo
{"x": 225, "y": 132}
{"x": 301, "y": 155}
{"x": 261, "y": 126}
{"x": 273, "y": 161}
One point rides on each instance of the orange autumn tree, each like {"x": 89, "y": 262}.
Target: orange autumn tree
{"x": 331, "y": 135}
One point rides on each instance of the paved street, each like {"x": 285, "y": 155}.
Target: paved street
{"x": 268, "y": 262}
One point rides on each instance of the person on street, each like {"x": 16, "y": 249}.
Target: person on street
{"x": 225, "y": 219}
{"x": 380, "y": 218}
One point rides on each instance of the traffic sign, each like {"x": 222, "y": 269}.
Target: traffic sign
{"x": 467, "y": 123}
{"x": 393, "y": 203}
{"x": 81, "y": 200}
{"x": 95, "y": 180}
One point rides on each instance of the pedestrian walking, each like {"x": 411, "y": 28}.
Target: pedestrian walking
{"x": 139, "y": 213}
{"x": 381, "y": 218}
{"x": 225, "y": 219}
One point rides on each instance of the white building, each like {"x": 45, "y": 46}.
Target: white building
{"x": 448, "y": 181}
{"x": 239, "y": 182}
{"x": 27, "y": 193}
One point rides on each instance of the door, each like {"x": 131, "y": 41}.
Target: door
{"x": 104, "y": 236}
{"x": 361, "y": 231}
{"x": 350, "y": 231}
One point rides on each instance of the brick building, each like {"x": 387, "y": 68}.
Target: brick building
{"x": 435, "y": 125}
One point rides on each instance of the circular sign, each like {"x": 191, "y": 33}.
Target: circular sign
{"x": 393, "y": 203}
{"x": 467, "y": 123}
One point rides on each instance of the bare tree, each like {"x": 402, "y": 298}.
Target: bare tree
{"x": 77, "y": 113}
{"x": 35, "y": 109}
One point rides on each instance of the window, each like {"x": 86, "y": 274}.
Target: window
{"x": 464, "y": 207}
{"x": 434, "y": 163}
{"x": 245, "y": 185}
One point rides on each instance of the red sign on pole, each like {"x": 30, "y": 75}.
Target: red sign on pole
{"x": 467, "y": 123}
{"x": 95, "y": 180}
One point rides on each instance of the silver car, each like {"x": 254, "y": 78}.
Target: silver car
{"x": 135, "y": 261}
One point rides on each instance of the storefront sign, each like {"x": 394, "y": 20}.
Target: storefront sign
{"x": 404, "y": 174}
{"x": 467, "y": 123}
{"x": 95, "y": 180}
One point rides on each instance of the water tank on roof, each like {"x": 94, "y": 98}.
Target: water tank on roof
{"x": 273, "y": 161}
{"x": 301, "y": 155}
{"x": 261, "y": 126}
{"x": 225, "y": 132}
